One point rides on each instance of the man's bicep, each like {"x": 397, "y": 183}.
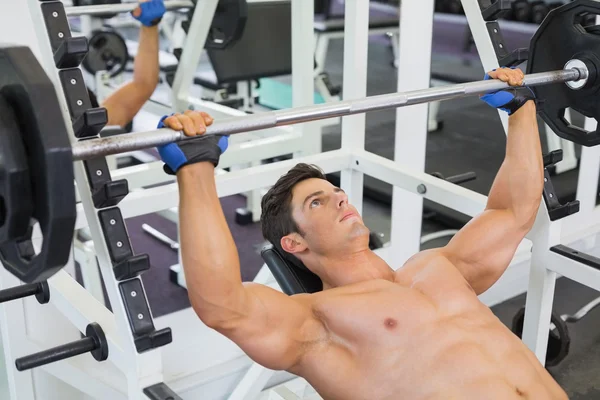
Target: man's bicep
{"x": 483, "y": 249}
{"x": 275, "y": 328}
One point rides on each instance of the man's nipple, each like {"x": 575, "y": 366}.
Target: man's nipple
{"x": 390, "y": 323}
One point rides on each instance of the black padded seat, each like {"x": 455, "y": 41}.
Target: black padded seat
{"x": 291, "y": 279}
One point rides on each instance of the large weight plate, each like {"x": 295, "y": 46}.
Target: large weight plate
{"x": 107, "y": 52}
{"x": 561, "y": 38}
{"x": 30, "y": 93}
{"x": 16, "y": 206}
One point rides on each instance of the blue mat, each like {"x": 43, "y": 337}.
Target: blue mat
{"x": 278, "y": 95}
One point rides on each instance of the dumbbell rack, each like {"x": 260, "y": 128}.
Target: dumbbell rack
{"x": 132, "y": 341}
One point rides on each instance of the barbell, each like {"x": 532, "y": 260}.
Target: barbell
{"x": 36, "y": 154}
{"x": 103, "y": 9}
{"x": 144, "y": 140}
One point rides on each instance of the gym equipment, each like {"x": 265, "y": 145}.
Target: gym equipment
{"x": 107, "y": 52}
{"x": 440, "y": 6}
{"x": 323, "y": 7}
{"x": 454, "y": 7}
{"x": 41, "y": 291}
{"x": 45, "y": 175}
{"x": 173, "y": 245}
{"x": 15, "y": 201}
{"x": 521, "y": 11}
{"x": 559, "y": 341}
{"x": 143, "y": 140}
{"x": 227, "y": 25}
{"x": 557, "y": 43}
{"x": 53, "y": 198}
{"x": 94, "y": 343}
{"x": 83, "y": 3}
{"x": 539, "y": 11}
{"x": 98, "y": 9}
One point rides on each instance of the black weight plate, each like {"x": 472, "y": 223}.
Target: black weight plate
{"x": 559, "y": 341}
{"x": 29, "y": 91}
{"x": 16, "y": 205}
{"x": 560, "y": 39}
{"x": 107, "y": 52}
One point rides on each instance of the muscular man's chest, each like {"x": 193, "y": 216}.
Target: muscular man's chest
{"x": 376, "y": 311}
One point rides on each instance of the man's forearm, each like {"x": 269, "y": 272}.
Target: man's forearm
{"x": 124, "y": 103}
{"x": 209, "y": 255}
{"x": 146, "y": 66}
{"x": 519, "y": 183}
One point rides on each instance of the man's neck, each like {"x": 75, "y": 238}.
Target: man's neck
{"x": 354, "y": 268}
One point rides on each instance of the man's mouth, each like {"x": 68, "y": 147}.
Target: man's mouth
{"x": 348, "y": 215}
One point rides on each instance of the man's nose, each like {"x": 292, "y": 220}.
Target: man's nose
{"x": 342, "y": 199}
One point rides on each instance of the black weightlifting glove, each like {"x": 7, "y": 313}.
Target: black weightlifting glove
{"x": 176, "y": 155}
{"x": 509, "y": 99}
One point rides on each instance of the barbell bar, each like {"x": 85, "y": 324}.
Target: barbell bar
{"x": 102, "y": 9}
{"x": 142, "y": 140}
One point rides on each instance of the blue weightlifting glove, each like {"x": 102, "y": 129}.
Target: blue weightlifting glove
{"x": 512, "y": 98}
{"x": 177, "y": 155}
{"x": 149, "y": 13}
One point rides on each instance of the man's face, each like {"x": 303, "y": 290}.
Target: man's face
{"x": 328, "y": 223}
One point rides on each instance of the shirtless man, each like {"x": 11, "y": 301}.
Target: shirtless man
{"x": 373, "y": 333}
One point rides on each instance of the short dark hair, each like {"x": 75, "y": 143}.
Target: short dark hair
{"x": 276, "y": 215}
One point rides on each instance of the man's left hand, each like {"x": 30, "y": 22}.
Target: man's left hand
{"x": 149, "y": 12}
{"x": 510, "y": 99}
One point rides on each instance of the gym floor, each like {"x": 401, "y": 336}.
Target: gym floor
{"x": 460, "y": 146}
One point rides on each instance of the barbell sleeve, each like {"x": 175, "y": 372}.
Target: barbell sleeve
{"x": 100, "y": 9}
{"x": 143, "y": 140}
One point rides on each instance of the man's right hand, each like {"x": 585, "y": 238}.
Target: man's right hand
{"x": 207, "y": 149}
{"x": 149, "y": 12}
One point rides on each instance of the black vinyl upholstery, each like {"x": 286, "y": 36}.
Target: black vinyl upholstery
{"x": 292, "y": 279}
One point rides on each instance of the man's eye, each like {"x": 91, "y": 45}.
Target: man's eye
{"x": 315, "y": 203}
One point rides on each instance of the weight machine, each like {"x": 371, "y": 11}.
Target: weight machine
{"x": 201, "y": 363}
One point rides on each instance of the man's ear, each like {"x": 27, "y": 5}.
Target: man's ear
{"x": 293, "y": 243}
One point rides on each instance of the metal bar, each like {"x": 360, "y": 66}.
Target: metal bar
{"x": 143, "y": 140}
{"x": 160, "y": 237}
{"x": 68, "y": 350}
{"x": 19, "y": 292}
{"x": 100, "y": 9}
